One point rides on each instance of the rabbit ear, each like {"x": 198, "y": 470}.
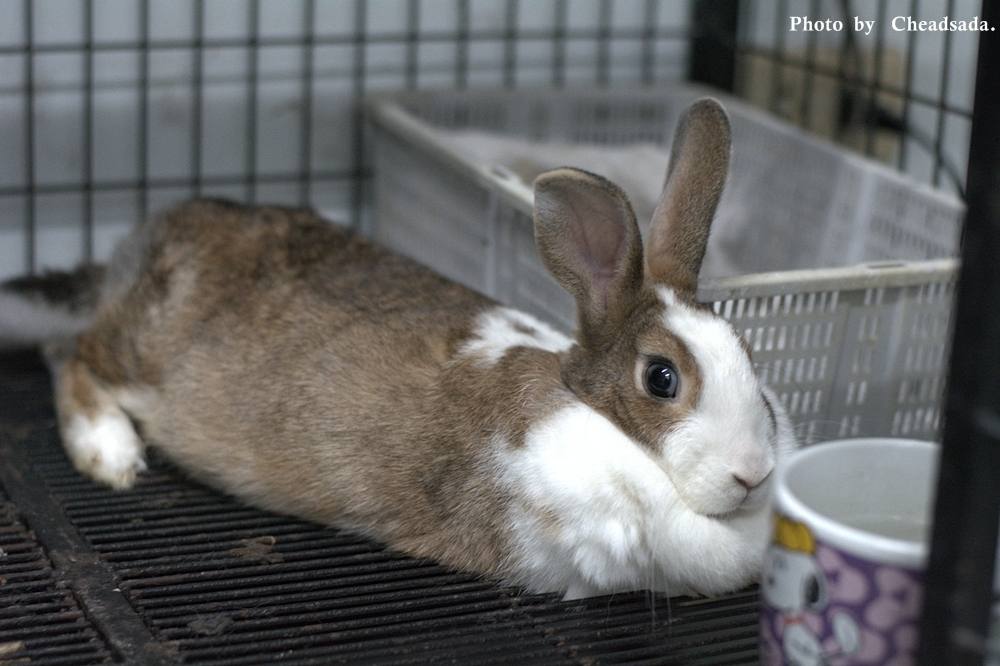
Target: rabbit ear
{"x": 699, "y": 163}
{"x": 587, "y": 236}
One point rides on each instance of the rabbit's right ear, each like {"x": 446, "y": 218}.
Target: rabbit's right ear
{"x": 699, "y": 164}
{"x": 587, "y": 236}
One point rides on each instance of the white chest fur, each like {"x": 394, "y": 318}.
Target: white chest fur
{"x": 592, "y": 513}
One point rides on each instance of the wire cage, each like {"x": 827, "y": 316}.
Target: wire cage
{"x": 112, "y": 109}
{"x": 116, "y": 108}
{"x": 903, "y": 97}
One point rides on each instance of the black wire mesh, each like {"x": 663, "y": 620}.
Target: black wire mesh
{"x": 258, "y": 99}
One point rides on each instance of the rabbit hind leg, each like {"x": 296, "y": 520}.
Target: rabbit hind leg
{"x": 98, "y": 435}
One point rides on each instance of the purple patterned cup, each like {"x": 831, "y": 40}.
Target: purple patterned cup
{"x": 843, "y": 575}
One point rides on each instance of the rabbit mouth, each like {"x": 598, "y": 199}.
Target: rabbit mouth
{"x": 753, "y": 502}
{"x": 722, "y": 516}
{"x": 738, "y": 509}
{"x": 743, "y": 509}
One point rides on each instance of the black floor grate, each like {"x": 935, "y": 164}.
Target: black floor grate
{"x": 40, "y": 620}
{"x": 204, "y": 579}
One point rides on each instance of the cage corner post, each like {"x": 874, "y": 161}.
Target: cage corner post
{"x": 960, "y": 584}
{"x": 712, "y": 59}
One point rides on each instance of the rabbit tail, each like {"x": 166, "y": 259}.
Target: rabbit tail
{"x": 36, "y": 309}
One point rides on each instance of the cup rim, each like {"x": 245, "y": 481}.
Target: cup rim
{"x": 853, "y": 540}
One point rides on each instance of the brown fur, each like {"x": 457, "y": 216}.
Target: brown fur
{"x": 306, "y": 370}
{"x": 613, "y": 391}
{"x": 78, "y": 391}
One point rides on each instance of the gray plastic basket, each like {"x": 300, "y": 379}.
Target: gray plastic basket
{"x": 854, "y": 348}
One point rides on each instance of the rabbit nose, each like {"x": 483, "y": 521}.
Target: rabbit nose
{"x": 750, "y": 485}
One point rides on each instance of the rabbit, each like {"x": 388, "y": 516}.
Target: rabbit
{"x": 293, "y": 364}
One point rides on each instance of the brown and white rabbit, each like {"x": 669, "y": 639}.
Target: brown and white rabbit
{"x": 298, "y": 366}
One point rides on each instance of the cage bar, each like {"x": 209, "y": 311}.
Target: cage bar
{"x": 250, "y": 140}
{"x": 29, "y": 137}
{"x": 509, "y": 43}
{"x": 558, "y": 38}
{"x": 142, "y": 142}
{"x": 462, "y": 45}
{"x": 357, "y": 125}
{"x": 945, "y": 76}
{"x": 649, "y": 18}
{"x": 713, "y": 43}
{"x": 959, "y": 588}
{"x": 911, "y": 46}
{"x": 805, "y": 105}
{"x": 306, "y": 117}
{"x": 197, "y": 90}
{"x": 87, "y": 158}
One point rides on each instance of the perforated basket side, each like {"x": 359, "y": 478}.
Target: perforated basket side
{"x": 862, "y": 359}
{"x": 792, "y": 201}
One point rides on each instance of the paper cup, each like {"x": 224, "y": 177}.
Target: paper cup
{"x": 843, "y": 575}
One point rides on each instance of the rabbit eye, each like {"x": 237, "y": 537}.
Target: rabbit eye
{"x": 661, "y": 380}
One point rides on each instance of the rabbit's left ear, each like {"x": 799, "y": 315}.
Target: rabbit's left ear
{"x": 699, "y": 164}
{"x": 587, "y": 236}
